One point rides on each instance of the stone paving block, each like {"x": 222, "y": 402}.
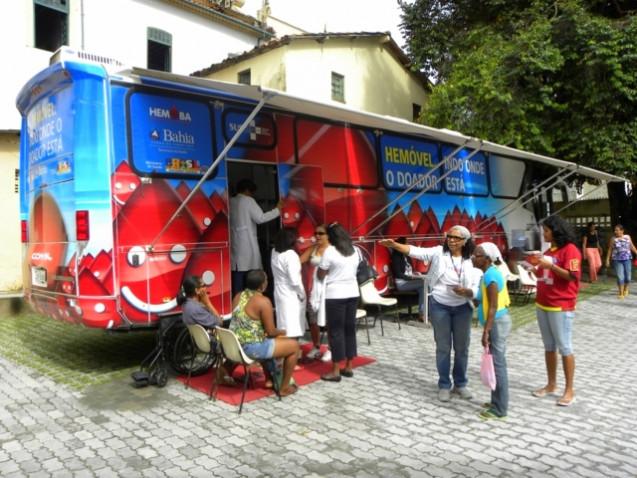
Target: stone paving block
{"x": 385, "y": 422}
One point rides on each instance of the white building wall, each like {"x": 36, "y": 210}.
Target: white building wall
{"x": 116, "y": 29}
{"x": 374, "y": 80}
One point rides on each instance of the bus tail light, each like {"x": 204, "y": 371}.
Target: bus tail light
{"x": 24, "y": 229}
{"x": 82, "y": 232}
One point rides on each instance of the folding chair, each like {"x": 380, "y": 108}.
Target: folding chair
{"x": 232, "y": 350}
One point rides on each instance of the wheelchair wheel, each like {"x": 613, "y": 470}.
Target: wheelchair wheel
{"x": 159, "y": 376}
{"x": 182, "y": 356}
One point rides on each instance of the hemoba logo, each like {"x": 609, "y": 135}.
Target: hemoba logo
{"x": 41, "y": 256}
{"x": 172, "y": 114}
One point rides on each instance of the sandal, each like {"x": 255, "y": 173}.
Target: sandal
{"x": 542, "y": 392}
{"x": 289, "y": 390}
{"x": 331, "y": 378}
{"x": 565, "y": 403}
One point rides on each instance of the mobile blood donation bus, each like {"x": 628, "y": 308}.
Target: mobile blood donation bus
{"x": 126, "y": 174}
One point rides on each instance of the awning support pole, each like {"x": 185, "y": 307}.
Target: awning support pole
{"x": 573, "y": 202}
{"x": 531, "y": 192}
{"x": 534, "y": 190}
{"x": 214, "y": 164}
{"x": 472, "y": 154}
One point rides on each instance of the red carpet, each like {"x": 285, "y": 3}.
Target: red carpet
{"x": 307, "y": 373}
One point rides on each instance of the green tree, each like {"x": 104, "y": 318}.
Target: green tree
{"x": 553, "y": 77}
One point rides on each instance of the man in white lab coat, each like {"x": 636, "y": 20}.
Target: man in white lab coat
{"x": 245, "y": 214}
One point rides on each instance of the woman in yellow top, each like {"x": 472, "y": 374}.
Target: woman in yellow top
{"x": 493, "y": 300}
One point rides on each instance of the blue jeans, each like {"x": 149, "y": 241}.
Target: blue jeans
{"x": 498, "y": 346}
{"x": 452, "y": 328}
{"x": 413, "y": 284}
{"x": 623, "y": 270}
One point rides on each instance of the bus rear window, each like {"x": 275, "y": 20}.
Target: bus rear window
{"x": 50, "y": 139}
{"x": 346, "y": 155}
{"x": 169, "y": 136}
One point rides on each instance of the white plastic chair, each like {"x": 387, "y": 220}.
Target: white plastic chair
{"x": 202, "y": 342}
{"x": 528, "y": 284}
{"x": 232, "y": 350}
{"x": 371, "y": 296}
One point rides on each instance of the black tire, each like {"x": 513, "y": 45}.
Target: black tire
{"x": 181, "y": 358}
{"x": 159, "y": 376}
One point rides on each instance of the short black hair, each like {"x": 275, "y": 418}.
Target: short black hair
{"x": 255, "y": 279}
{"x": 285, "y": 239}
{"x": 189, "y": 288}
{"x": 246, "y": 184}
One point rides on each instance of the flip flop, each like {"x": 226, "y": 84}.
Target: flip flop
{"x": 542, "y": 392}
{"x": 565, "y": 403}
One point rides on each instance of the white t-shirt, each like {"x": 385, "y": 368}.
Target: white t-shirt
{"x": 341, "y": 274}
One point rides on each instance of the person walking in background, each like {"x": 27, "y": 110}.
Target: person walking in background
{"x": 406, "y": 279}
{"x": 253, "y": 323}
{"x": 245, "y": 214}
{"x": 619, "y": 249}
{"x": 493, "y": 314}
{"x": 338, "y": 269}
{"x": 592, "y": 249}
{"x": 316, "y": 304}
{"x": 289, "y": 293}
{"x": 558, "y": 274}
{"x": 450, "y": 313}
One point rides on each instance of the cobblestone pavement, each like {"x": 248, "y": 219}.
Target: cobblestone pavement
{"x": 386, "y": 421}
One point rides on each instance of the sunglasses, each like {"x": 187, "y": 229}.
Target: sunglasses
{"x": 455, "y": 238}
{"x": 319, "y": 233}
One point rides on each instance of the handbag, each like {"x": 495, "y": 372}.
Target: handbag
{"x": 487, "y": 369}
{"x": 365, "y": 271}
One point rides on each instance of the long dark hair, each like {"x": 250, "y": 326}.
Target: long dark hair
{"x": 561, "y": 230}
{"x": 467, "y": 248}
{"x": 188, "y": 288}
{"x": 340, "y": 239}
{"x": 285, "y": 239}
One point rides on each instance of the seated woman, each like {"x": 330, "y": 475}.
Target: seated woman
{"x": 196, "y": 309}
{"x": 406, "y": 279}
{"x": 253, "y": 324}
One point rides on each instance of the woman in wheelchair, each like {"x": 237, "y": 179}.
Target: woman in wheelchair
{"x": 196, "y": 308}
{"x": 253, "y": 324}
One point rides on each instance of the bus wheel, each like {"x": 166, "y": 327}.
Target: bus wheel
{"x": 182, "y": 358}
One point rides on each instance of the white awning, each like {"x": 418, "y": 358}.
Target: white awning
{"x": 342, "y": 113}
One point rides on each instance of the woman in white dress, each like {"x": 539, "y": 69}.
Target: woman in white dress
{"x": 289, "y": 294}
{"x": 316, "y": 303}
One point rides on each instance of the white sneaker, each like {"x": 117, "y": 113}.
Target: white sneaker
{"x": 327, "y": 356}
{"x": 444, "y": 394}
{"x": 314, "y": 354}
{"x": 464, "y": 392}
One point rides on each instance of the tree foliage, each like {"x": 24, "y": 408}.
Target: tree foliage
{"x": 553, "y": 77}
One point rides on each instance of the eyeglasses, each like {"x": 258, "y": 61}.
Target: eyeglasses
{"x": 475, "y": 256}
{"x": 455, "y": 238}
{"x": 319, "y": 233}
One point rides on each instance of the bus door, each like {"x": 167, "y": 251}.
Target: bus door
{"x": 301, "y": 189}
{"x": 264, "y": 175}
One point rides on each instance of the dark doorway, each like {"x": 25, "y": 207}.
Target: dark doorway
{"x": 267, "y": 196}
